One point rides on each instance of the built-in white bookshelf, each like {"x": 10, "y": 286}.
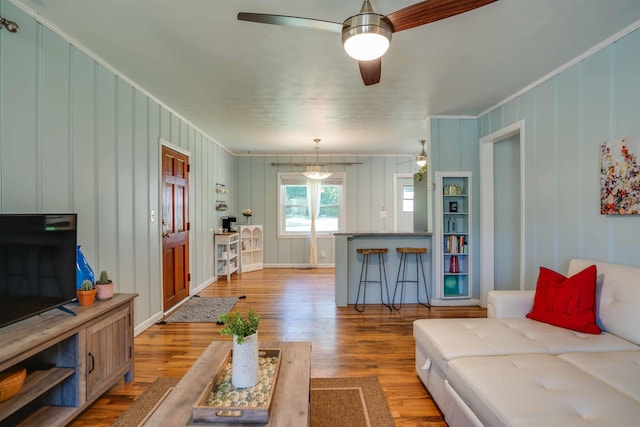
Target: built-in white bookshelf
{"x": 452, "y": 237}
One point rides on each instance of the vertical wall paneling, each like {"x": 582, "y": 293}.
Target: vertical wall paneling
{"x": 567, "y": 119}
{"x": 83, "y": 131}
{"x": 140, "y": 205}
{"x": 76, "y": 137}
{"x": 106, "y": 168}
{"x": 627, "y": 96}
{"x": 527, "y": 111}
{"x": 154, "y": 294}
{"x": 55, "y": 155}
{"x": 546, "y": 211}
{"x": 124, "y": 177}
{"x": 596, "y": 105}
{"x": 19, "y": 177}
{"x": 568, "y": 146}
{"x": 369, "y": 187}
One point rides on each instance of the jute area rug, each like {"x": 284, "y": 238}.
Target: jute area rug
{"x": 202, "y": 310}
{"x": 335, "y": 402}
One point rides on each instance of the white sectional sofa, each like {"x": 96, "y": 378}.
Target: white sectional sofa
{"x": 509, "y": 370}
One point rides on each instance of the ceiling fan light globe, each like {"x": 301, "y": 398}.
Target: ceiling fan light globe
{"x": 366, "y": 36}
{"x": 366, "y": 46}
{"x": 421, "y": 161}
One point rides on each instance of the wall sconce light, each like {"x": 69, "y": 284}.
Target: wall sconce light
{"x": 11, "y": 26}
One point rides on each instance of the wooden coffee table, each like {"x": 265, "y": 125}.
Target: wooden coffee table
{"x": 289, "y": 404}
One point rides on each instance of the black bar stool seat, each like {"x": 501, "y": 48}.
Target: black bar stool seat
{"x": 402, "y": 268}
{"x": 364, "y": 271}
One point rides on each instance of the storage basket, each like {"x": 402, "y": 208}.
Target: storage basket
{"x": 11, "y": 381}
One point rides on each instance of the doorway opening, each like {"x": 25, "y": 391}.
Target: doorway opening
{"x": 489, "y": 255}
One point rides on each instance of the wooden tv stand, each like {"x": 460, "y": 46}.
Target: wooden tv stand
{"x": 70, "y": 360}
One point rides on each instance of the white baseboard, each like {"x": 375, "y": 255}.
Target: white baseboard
{"x": 147, "y": 323}
{"x": 454, "y": 302}
{"x": 203, "y": 285}
{"x": 300, "y": 266}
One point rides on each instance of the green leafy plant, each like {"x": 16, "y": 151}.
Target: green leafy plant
{"x": 86, "y": 285}
{"x": 104, "y": 278}
{"x": 418, "y": 175}
{"x": 239, "y": 326}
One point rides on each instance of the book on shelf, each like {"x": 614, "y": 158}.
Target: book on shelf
{"x": 454, "y": 244}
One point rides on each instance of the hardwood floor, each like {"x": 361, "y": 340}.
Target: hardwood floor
{"x": 295, "y": 305}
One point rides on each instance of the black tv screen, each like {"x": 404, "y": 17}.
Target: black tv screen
{"x": 37, "y": 264}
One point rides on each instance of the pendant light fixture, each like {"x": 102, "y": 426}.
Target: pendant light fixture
{"x": 421, "y": 160}
{"x": 317, "y": 170}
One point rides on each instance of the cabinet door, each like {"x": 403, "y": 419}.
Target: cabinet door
{"x": 109, "y": 348}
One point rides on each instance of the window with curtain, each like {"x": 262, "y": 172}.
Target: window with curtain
{"x": 293, "y": 208}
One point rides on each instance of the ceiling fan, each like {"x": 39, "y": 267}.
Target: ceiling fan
{"x": 366, "y": 36}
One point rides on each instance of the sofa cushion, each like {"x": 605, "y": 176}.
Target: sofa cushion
{"x": 538, "y": 390}
{"x": 446, "y": 339}
{"x": 619, "y": 369}
{"x": 618, "y": 296}
{"x": 567, "y": 302}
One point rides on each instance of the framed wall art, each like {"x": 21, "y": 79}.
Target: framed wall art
{"x": 620, "y": 177}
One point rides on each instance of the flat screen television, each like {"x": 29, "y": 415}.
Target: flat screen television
{"x": 37, "y": 264}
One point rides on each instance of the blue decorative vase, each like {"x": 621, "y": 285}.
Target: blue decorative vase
{"x": 83, "y": 269}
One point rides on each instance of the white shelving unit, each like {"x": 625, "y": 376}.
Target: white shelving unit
{"x": 452, "y": 239}
{"x": 226, "y": 254}
{"x": 251, "y": 253}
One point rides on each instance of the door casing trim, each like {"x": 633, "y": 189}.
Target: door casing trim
{"x": 487, "y": 244}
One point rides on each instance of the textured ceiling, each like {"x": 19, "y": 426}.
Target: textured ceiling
{"x": 259, "y": 88}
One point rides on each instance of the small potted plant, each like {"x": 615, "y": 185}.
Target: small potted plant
{"x": 86, "y": 293}
{"x": 104, "y": 287}
{"x": 245, "y": 371}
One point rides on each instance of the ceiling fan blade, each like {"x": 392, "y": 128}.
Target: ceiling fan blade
{"x": 290, "y": 21}
{"x": 370, "y": 71}
{"x": 431, "y": 11}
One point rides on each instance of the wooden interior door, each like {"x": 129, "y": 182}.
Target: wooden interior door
{"x": 175, "y": 227}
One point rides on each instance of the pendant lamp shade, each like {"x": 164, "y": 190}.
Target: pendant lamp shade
{"x": 421, "y": 159}
{"x": 317, "y": 170}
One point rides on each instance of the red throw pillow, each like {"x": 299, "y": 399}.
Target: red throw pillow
{"x": 566, "y": 302}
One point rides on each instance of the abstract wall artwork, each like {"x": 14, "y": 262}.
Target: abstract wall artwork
{"x": 620, "y": 177}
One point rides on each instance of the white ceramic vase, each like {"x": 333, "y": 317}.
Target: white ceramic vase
{"x": 245, "y": 369}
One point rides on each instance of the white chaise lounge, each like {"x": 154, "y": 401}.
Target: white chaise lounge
{"x": 509, "y": 370}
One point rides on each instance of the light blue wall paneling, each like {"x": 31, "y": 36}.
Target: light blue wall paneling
{"x": 53, "y": 130}
{"x": 369, "y": 189}
{"x": 546, "y": 180}
{"x": 567, "y": 118}
{"x": 507, "y": 215}
{"x": 454, "y": 147}
{"x": 76, "y": 137}
{"x": 19, "y": 161}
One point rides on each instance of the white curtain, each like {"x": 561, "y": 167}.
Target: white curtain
{"x": 313, "y": 201}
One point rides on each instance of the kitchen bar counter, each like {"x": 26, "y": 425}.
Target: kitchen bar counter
{"x": 349, "y": 263}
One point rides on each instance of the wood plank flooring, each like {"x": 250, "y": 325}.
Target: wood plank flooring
{"x": 295, "y": 305}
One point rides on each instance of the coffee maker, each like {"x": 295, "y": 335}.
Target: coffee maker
{"x": 228, "y": 222}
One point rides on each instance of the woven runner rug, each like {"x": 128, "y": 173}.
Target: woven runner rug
{"x": 335, "y": 402}
{"x": 202, "y": 310}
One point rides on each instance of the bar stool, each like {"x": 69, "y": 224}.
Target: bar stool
{"x": 404, "y": 254}
{"x": 365, "y": 271}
